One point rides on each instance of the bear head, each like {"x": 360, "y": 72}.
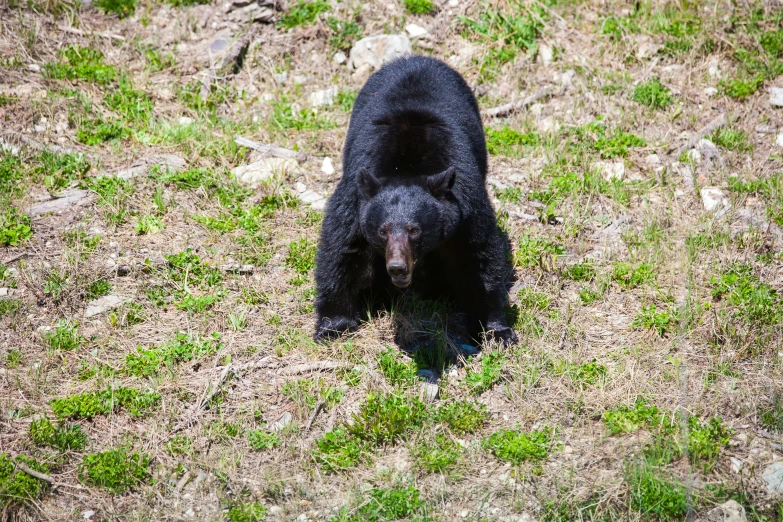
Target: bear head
{"x": 406, "y": 218}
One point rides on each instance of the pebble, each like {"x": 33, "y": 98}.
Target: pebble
{"x": 281, "y": 78}
{"x": 610, "y": 169}
{"x": 327, "y": 167}
{"x": 730, "y": 511}
{"x": 184, "y": 120}
{"x": 323, "y": 98}
{"x": 773, "y": 476}
{"x": 710, "y": 91}
{"x": 766, "y": 128}
{"x": 87, "y": 515}
{"x": 713, "y": 198}
{"x": 339, "y": 58}
{"x": 263, "y": 169}
{"x": 284, "y": 420}
{"x": 67, "y": 199}
{"x": 776, "y": 96}
{"x": 416, "y": 31}
{"x": 104, "y": 304}
{"x": 123, "y": 270}
{"x": 736, "y": 464}
{"x": 34, "y": 67}
{"x": 779, "y": 140}
{"x": 377, "y": 50}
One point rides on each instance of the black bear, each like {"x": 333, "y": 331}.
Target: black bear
{"x": 412, "y": 194}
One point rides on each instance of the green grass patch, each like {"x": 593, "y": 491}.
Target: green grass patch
{"x": 630, "y": 276}
{"x": 582, "y": 272}
{"x": 628, "y": 419}
{"x": 517, "y": 447}
{"x": 303, "y": 13}
{"x": 535, "y": 251}
{"x": 247, "y": 512}
{"x": 89, "y": 404}
{"x": 753, "y": 302}
{"x": 771, "y": 415}
{"x": 506, "y": 141}
{"x": 262, "y": 440}
{"x": 117, "y": 470}
{"x": 618, "y": 144}
{"x": 61, "y": 437}
{"x": 588, "y": 373}
{"x": 661, "y": 322}
{"x": 15, "y": 227}
{"x": 82, "y": 63}
{"x": 437, "y": 455}
{"x": 121, "y": 8}
{"x": 397, "y": 372}
{"x": 65, "y": 337}
{"x": 98, "y": 288}
{"x": 344, "y": 35}
{"x": 384, "y": 419}
{"x": 185, "y": 347}
{"x": 284, "y": 117}
{"x": 489, "y": 371}
{"x": 9, "y": 307}
{"x": 17, "y": 487}
{"x": 653, "y": 94}
{"x": 656, "y": 495}
{"x": 463, "y": 417}
{"x": 419, "y": 7}
{"x": 301, "y": 256}
{"x": 338, "y": 450}
{"x": 386, "y": 504}
{"x": 732, "y": 139}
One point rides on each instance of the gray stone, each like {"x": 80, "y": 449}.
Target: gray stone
{"x": 610, "y": 169}
{"x": 252, "y": 13}
{"x": 324, "y": 97}
{"x": 339, "y": 58}
{"x": 377, "y": 50}
{"x": 428, "y": 392}
{"x": 142, "y": 166}
{"x": 280, "y": 424}
{"x": 312, "y": 198}
{"x": 104, "y": 304}
{"x": 730, "y": 511}
{"x": 766, "y": 128}
{"x": 776, "y": 96}
{"x": 66, "y": 200}
{"x": 773, "y": 476}
{"x": 416, "y": 31}
{"x": 713, "y": 199}
{"x": 263, "y": 169}
{"x": 709, "y": 151}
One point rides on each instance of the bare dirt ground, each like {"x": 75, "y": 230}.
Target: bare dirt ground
{"x": 156, "y": 302}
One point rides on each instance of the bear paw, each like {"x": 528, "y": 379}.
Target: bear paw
{"x": 329, "y": 328}
{"x": 503, "y": 334}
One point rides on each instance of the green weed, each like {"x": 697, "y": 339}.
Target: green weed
{"x": 61, "y": 437}
{"x": 57, "y": 170}
{"x": 179, "y": 445}
{"x": 16, "y": 486}
{"x": 398, "y": 373}
{"x": 584, "y": 271}
{"x": 344, "y": 35}
{"x": 507, "y": 141}
{"x": 754, "y": 302}
{"x": 383, "y": 419}
{"x": 651, "y": 319}
{"x": 419, "y": 7}
{"x": 618, "y": 144}
{"x": 437, "y": 455}
{"x": 185, "y": 347}
{"x": 463, "y": 417}
{"x": 15, "y": 227}
{"x": 516, "y": 447}
{"x": 64, "y": 337}
{"x": 510, "y": 195}
{"x": 628, "y": 419}
{"x": 248, "y": 512}
{"x": 732, "y": 139}
{"x": 14, "y": 356}
{"x": 303, "y": 13}
{"x": 301, "y": 256}
{"x": 740, "y": 88}
{"x": 535, "y": 251}
{"x": 339, "y": 450}
{"x": 116, "y": 470}
{"x": 584, "y": 374}
{"x": 122, "y": 8}
{"x": 346, "y": 99}
{"x": 771, "y": 416}
{"x": 284, "y": 117}
{"x": 630, "y": 277}
{"x": 89, "y": 404}
{"x": 388, "y": 504}
{"x": 82, "y": 63}
{"x": 491, "y": 368}
{"x": 188, "y": 268}
{"x": 262, "y": 440}
{"x": 654, "y": 494}
{"x": 98, "y": 288}
{"x": 652, "y": 94}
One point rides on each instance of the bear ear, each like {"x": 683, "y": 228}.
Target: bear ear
{"x": 368, "y": 184}
{"x": 442, "y": 183}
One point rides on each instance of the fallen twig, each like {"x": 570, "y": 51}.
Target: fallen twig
{"x": 37, "y": 474}
{"x": 312, "y": 367}
{"x": 209, "y": 392}
{"x": 711, "y": 127}
{"x": 316, "y": 411}
{"x": 181, "y": 482}
{"x": 271, "y": 150}
{"x": 508, "y": 108}
{"x": 15, "y": 258}
{"x": 79, "y": 32}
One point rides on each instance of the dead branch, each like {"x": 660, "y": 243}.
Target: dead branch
{"x": 711, "y": 127}
{"x": 37, "y": 474}
{"x": 312, "y": 367}
{"x": 269, "y": 149}
{"x": 209, "y": 392}
{"x": 508, "y": 108}
{"x": 316, "y": 411}
{"x": 79, "y": 32}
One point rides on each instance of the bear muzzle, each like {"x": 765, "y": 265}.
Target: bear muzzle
{"x": 399, "y": 261}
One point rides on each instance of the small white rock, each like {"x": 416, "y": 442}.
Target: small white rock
{"x": 773, "y": 476}
{"x": 652, "y": 159}
{"x": 184, "y": 120}
{"x": 546, "y": 53}
{"x": 713, "y": 198}
{"x": 453, "y": 3}
{"x": 324, "y": 97}
{"x": 34, "y": 67}
{"x": 282, "y": 422}
{"x": 736, "y": 464}
{"x": 104, "y": 304}
{"x": 327, "y": 167}
{"x": 263, "y": 169}
{"x": 710, "y": 91}
{"x": 416, "y": 31}
{"x": 281, "y": 78}
{"x": 300, "y": 187}
{"x": 190, "y": 513}
{"x": 779, "y": 140}
{"x": 776, "y": 96}
{"x": 339, "y": 58}
{"x": 713, "y": 71}
{"x": 87, "y": 515}
{"x": 377, "y": 50}
{"x": 610, "y": 169}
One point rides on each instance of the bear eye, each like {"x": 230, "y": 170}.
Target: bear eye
{"x": 383, "y": 232}
{"x": 414, "y": 232}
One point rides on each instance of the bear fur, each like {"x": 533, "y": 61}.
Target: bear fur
{"x": 413, "y": 194}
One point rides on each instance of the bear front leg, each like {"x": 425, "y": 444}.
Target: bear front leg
{"x": 340, "y": 280}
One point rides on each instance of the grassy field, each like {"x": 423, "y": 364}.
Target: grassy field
{"x": 156, "y": 310}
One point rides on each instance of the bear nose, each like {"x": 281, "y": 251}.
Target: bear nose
{"x": 397, "y": 269}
